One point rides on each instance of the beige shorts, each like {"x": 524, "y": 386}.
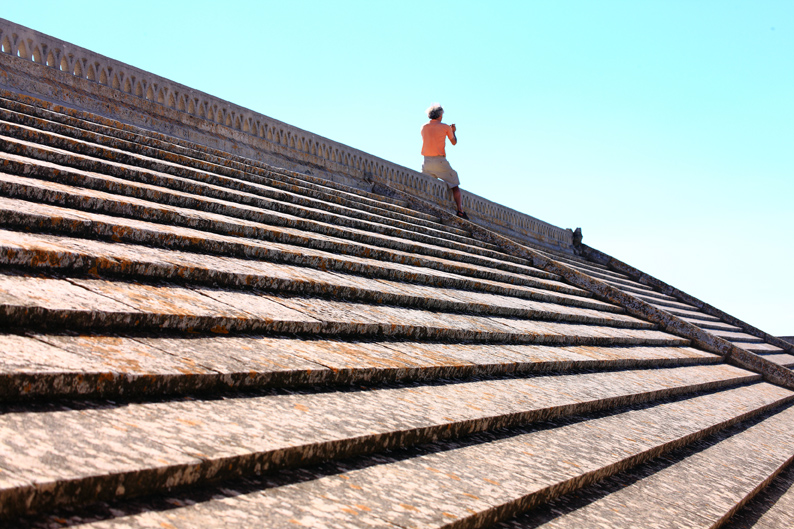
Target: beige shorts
{"x": 439, "y": 167}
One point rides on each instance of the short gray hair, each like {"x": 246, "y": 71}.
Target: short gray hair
{"x": 434, "y": 111}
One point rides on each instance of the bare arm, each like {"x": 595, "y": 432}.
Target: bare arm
{"x": 454, "y": 139}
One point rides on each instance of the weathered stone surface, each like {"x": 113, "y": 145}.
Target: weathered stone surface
{"x": 772, "y": 508}
{"x": 50, "y": 365}
{"x": 44, "y": 115}
{"x": 703, "y": 490}
{"x": 243, "y": 177}
{"x": 158, "y": 445}
{"x": 26, "y": 215}
{"x": 662, "y": 287}
{"x": 168, "y": 276}
{"x": 118, "y": 260}
{"x": 472, "y": 485}
{"x": 100, "y": 178}
{"x": 115, "y": 366}
{"x": 780, "y": 359}
{"x": 760, "y": 348}
{"x": 99, "y": 304}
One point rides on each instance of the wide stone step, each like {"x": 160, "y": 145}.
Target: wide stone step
{"x": 717, "y": 325}
{"x": 314, "y": 273}
{"x": 116, "y": 260}
{"x": 473, "y": 483}
{"x": 667, "y": 303}
{"x": 52, "y": 302}
{"x": 255, "y": 240}
{"x": 705, "y": 321}
{"x": 633, "y": 288}
{"x": 159, "y": 445}
{"x": 736, "y": 337}
{"x": 781, "y": 359}
{"x": 692, "y": 315}
{"x": 606, "y": 275}
{"x": 576, "y": 260}
{"x": 271, "y": 185}
{"x": 772, "y": 508}
{"x": 62, "y": 166}
{"x": 650, "y": 296}
{"x": 759, "y": 348}
{"x": 158, "y": 204}
{"x": 426, "y": 271}
{"x": 682, "y": 491}
{"x": 586, "y": 266}
{"x": 105, "y": 131}
{"x": 114, "y": 366}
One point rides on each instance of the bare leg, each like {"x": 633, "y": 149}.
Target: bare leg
{"x": 456, "y": 196}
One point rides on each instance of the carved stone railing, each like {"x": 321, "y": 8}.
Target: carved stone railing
{"x": 149, "y": 100}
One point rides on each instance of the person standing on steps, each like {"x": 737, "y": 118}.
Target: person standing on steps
{"x": 434, "y": 138}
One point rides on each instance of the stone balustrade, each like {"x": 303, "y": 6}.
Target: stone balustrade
{"x": 160, "y": 103}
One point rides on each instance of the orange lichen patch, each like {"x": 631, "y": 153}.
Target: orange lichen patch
{"x": 349, "y": 510}
{"x": 453, "y": 476}
{"x": 220, "y": 329}
{"x": 189, "y": 422}
{"x": 105, "y": 377}
{"x": 117, "y": 233}
{"x": 355, "y": 487}
{"x": 93, "y": 271}
{"x": 301, "y": 407}
{"x": 408, "y": 507}
{"x": 448, "y": 514}
{"x": 492, "y": 482}
{"x": 362, "y": 508}
{"x": 470, "y": 495}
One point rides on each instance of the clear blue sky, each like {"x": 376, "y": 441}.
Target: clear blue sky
{"x": 664, "y": 128}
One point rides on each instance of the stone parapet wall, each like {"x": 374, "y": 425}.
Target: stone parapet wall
{"x": 58, "y": 71}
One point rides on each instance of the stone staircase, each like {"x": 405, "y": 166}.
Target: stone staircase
{"x": 716, "y": 323}
{"x": 195, "y": 339}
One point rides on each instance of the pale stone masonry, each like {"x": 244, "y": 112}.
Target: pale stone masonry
{"x": 196, "y": 333}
